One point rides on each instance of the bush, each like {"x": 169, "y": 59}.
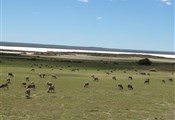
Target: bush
{"x": 34, "y": 59}
{"x": 144, "y": 61}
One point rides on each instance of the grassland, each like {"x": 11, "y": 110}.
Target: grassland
{"x": 101, "y": 101}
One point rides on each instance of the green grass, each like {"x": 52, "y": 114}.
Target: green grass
{"x": 101, "y": 101}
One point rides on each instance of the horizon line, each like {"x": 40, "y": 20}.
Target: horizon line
{"x": 44, "y": 45}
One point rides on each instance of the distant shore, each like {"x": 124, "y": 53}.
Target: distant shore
{"x": 13, "y": 49}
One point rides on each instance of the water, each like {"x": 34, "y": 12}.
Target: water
{"x": 60, "y": 48}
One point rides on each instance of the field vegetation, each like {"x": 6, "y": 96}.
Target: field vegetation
{"x": 101, "y": 100}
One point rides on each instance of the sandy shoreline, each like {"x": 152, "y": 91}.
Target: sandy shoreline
{"x": 89, "y": 57}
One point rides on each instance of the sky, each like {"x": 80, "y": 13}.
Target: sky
{"x": 120, "y": 24}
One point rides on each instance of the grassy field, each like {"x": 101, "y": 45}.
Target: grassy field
{"x": 101, "y": 101}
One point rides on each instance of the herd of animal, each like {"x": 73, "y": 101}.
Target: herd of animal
{"x": 129, "y": 86}
{"x": 29, "y": 86}
{"x": 51, "y": 88}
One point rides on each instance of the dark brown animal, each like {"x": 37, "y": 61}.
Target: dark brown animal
{"x": 163, "y": 81}
{"x": 130, "y": 87}
{"x": 86, "y": 85}
{"x": 108, "y": 73}
{"x": 120, "y": 86}
{"x": 130, "y": 78}
{"x": 54, "y": 76}
{"x": 10, "y": 74}
{"x": 24, "y": 84}
{"x": 3, "y": 85}
{"x": 114, "y": 78}
{"x": 147, "y": 81}
{"x": 96, "y": 79}
{"x": 170, "y": 79}
{"x": 142, "y": 73}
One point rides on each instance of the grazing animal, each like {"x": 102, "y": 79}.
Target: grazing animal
{"x": 3, "y": 85}
{"x": 73, "y": 70}
{"x": 147, "y": 81}
{"x": 142, "y": 73}
{"x": 170, "y": 79}
{"x": 48, "y": 84}
{"x": 120, "y": 86}
{"x": 46, "y": 65}
{"x": 8, "y": 80}
{"x": 107, "y": 73}
{"x": 51, "y": 88}
{"x": 156, "y": 118}
{"x": 130, "y": 87}
{"x": 33, "y": 69}
{"x": 96, "y": 79}
{"x": 124, "y": 71}
{"x": 10, "y": 74}
{"x": 54, "y": 76}
{"x": 27, "y": 93}
{"x": 27, "y": 78}
{"x": 93, "y": 76}
{"x": 153, "y": 70}
{"x": 31, "y": 85}
{"x": 41, "y": 75}
{"x": 163, "y": 81}
{"x": 114, "y": 78}
{"x": 24, "y": 84}
{"x": 44, "y": 75}
{"x": 130, "y": 78}
{"x": 86, "y": 85}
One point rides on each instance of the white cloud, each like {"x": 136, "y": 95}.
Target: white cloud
{"x": 167, "y": 2}
{"x": 99, "y": 18}
{"x": 84, "y": 1}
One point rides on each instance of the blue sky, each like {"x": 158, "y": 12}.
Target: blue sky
{"x": 123, "y": 24}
